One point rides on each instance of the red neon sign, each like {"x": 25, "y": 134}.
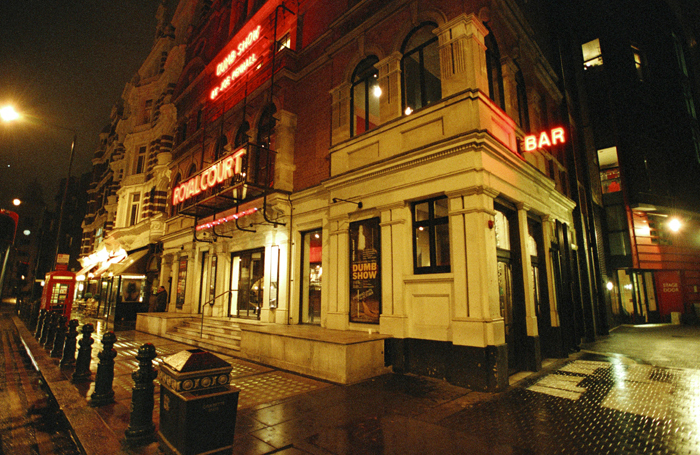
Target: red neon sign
{"x": 234, "y": 216}
{"x": 229, "y": 167}
{"x": 233, "y": 57}
{"x": 544, "y": 139}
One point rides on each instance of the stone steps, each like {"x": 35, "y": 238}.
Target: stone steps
{"x": 222, "y": 336}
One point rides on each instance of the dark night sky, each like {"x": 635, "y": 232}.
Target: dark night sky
{"x": 65, "y": 62}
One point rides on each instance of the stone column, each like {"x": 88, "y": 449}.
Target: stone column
{"x": 509, "y": 69}
{"x": 547, "y": 233}
{"x": 390, "y": 83}
{"x": 395, "y": 225}
{"x": 463, "y": 55}
{"x": 338, "y": 301}
{"x": 534, "y": 358}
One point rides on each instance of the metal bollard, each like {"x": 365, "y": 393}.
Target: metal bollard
{"x": 49, "y": 329}
{"x": 68, "y": 358}
{"x": 141, "y": 428}
{"x": 60, "y": 338}
{"x": 33, "y": 320}
{"x": 40, "y": 323}
{"x": 104, "y": 377}
{"x": 82, "y": 363}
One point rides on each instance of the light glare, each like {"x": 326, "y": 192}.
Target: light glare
{"x": 8, "y": 113}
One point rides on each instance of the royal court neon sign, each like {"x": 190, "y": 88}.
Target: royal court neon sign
{"x": 229, "y": 167}
{"x": 233, "y": 60}
{"x": 544, "y": 139}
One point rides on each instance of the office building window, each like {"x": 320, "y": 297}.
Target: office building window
{"x": 431, "y": 236}
{"x": 420, "y": 68}
{"x": 494, "y": 71}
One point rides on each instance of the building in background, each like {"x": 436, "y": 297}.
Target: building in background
{"x": 401, "y": 168}
{"x": 639, "y": 81}
{"x": 130, "y": 180}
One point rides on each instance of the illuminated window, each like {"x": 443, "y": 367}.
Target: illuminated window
{"x": 365, "y": 105}
{"x": 284, "y": 42}
{"x": 494, "y": 71}
{"x": 134, "y": 209}
{"x": 431, "y": 236}
{"x": 420, "y": 68}
{"x": 592, "y": 55}
{"x": 638, "y": 62}
{"x": 141, "y": 160}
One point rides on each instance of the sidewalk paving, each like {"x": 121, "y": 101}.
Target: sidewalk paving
{"x": 597, "y": 401}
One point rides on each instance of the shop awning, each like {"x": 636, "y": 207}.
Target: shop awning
{"x": 134, "y": 264}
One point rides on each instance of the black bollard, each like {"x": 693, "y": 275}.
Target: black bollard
{"x": 82, "y": 363}
{"x": 68, "y": 358}
{"x": 141, "y": 428}
{"x": 40, "y": 323}
{"x": 104, "y": 377}
{"x": 33, "y": 320}
{"x": 49, "y": 328}
{"x": 60, "y": 338}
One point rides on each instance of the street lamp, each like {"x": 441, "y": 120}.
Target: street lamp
{"x": 9, "y": 114}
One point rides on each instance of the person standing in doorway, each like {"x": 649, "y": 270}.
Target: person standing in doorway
{"x": 161, "y": 299}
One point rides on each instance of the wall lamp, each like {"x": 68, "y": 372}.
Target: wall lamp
{"x": 337, "y": 199}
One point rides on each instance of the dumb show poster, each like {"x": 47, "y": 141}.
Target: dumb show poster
{"x": 365, "y": 272}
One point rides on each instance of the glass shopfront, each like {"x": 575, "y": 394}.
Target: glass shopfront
{"x": 247, "y": 283}
{"x": 311, "y": 277}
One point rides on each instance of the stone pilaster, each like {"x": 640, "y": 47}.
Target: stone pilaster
{"x": 463, "y": 55}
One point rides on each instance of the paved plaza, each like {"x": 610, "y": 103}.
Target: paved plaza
{"x": 635, "y": 391}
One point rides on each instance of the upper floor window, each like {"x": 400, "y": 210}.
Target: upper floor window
{"x": 140, "y": 161}
{"x": 494, "y": 71}
{"x": 639, "y": 62}
{"x": 365, "y": 96}
{"x": 592, "y": 55}
{"x": 431, "y": 236}
{"x": 420, "y": 68}
{"x": 523, "y": 109}
{"x": 148, "y": 107}
{"x": 134, "y": 208}
{"x": 266, "y": 125}
{"x": 221, "y": 144}
{"x": 242, "y": 134}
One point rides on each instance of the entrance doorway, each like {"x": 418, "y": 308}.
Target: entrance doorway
{"x": 247, "y": 276}
{"x": 311, "y": 278}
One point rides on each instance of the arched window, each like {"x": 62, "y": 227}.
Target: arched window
{"x": 266, "y": 125}
{"x": 521, "y": 93}
{"x": 493, "y": 71}
{"x": 192, "y": 170}
{"x": 221, "y": 143}
{"x": 242, "y": 134}
{"x": 365, "y": 96}
{"x": 420, "y": 68}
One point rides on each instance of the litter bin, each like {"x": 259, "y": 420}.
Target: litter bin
{"x": 197, "y": 405}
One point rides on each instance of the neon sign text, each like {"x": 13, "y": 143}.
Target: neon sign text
{"x": 229, "y": 167}
{"x": 228, "y": 80}
{"x": 544, "y": 139}
{"x": 226, "y": 219}
{"x": 243, "y": 46}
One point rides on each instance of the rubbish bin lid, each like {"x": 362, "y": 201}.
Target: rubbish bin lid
{"x": 192, "y": 360}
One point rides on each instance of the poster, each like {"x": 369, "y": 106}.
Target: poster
{"x": 181, "y": 279}
{"x": 365, "y": 272}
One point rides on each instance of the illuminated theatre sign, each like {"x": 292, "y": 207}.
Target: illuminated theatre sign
{"x": 229, "y": 167}
{"x": 233, "y": 60}
{"x": 544, "y": 139}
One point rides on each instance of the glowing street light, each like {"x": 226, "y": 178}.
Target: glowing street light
{"x": 16, "y": 202}
{"x": 674, "y": 224}
{"x": 8, "y": 113}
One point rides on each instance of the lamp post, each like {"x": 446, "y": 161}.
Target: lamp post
{"x": 9, "y": 114}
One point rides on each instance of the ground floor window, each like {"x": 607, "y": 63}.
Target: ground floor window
{"x": 311, "y": 274}
{"x": 431, "y": 236}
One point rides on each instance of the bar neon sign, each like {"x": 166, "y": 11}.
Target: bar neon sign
{"x": 233, "y": 57}
{"x": 229, "y": 167}
{"x": 226, "y": 219}
{"x": 544, "y": 139}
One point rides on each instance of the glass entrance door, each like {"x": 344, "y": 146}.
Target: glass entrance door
{"x": 247, "y": 276}
{"x": 311, "y": 278}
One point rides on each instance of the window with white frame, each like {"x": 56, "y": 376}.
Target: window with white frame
{"x": 431, "y": 236}
{"x": 134, "y": 208}
{"x": 140, "y": 161}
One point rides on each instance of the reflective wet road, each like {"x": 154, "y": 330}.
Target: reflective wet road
{"x": 30, "y": 421}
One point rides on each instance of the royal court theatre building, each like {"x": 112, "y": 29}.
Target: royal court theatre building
{"x": 380, "y": 182}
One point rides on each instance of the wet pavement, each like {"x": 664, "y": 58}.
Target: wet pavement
{"x": 635, "y": 391}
